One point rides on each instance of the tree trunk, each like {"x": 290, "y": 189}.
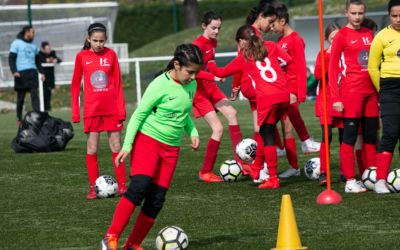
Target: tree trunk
{"x": 191, "y": 10}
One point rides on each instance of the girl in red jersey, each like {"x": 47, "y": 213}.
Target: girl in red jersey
{"x": 258, "y": 61}
{"x": 209, "y": 98}
{"x": 153, "y": 138}
{"x": 333, "y": 121}
{"x": 104, "y": 104}
{"x": 294, "y": 45}
{"x": 356, "y": 98}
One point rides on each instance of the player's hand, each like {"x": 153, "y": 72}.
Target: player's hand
{"x": 42, "y": 77}
{"x": 16, "y": 74}
{"x": 120, "y": 157}
{"x": 338, "y": 106}
{"x": 234, "y": 93}
{"x": 219, "y": 79}
{"x": 293, "y": 98}
{"x": 195, "y": 142}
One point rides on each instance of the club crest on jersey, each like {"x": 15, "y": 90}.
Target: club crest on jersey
{"x": 99, "y": 79}
{"x": 366, "y": 40}
{"x": 104, "y": 62}
{"x": 363, "y": 58}
{"x": 398, "y": 53}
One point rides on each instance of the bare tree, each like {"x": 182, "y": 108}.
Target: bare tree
{"x": 191, "y": 10}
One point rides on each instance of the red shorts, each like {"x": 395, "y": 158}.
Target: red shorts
{"x": 249, "y": 92}
{"x": 273, "y": 113}
{"x": 360, "y": 106}
{"x": 101, "y": 123}
{"x": 205, "y": 100}
{"x": 154, "y": 159}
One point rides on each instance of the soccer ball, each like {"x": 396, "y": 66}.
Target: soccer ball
{"x": 393, "y": 180}
{"x": 230, "y": 171}
{"x": 369, "y": 178}
{"x": 312, "y": 168}
{"x": 105, "y": 186}
{"x": 172, "y": 238}
{"x": 246, "y": 150}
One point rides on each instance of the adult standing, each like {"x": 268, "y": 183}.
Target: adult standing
{"x": 24, "y": 65}
{"x": 47, "y": 55}
{"x": 384, "y": 69}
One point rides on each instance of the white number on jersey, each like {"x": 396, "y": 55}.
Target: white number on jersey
{"x": 267, "y": 68}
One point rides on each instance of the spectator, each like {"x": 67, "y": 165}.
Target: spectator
{"x": 312, "y": 85}
{"x": 24, "y": 65}
{"x": 47, "y": 55}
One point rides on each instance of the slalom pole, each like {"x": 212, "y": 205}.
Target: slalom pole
{"x": 328, "y": 196}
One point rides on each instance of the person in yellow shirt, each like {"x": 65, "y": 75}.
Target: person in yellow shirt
{"x": 384, "y": 69}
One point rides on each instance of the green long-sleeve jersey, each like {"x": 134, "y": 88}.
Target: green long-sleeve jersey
{"x": 163, "y": 113}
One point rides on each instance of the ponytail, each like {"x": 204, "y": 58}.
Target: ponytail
{"x": 255, "y": 49}
{"x": 184, "y": 54}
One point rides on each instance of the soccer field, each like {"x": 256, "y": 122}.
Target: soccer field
{"x": 44, "y": 207}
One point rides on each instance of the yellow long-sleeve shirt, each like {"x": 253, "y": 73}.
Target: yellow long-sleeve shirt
{"x": 384, "y": 55}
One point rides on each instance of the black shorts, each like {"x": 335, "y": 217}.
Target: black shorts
{"x": 28, "y": 79}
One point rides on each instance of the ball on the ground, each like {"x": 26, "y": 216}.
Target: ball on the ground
{"x": 105, "y": 186}
{"x": 312, "y": 168}
{"x": 230, "y": 171}
{"x": 172, "y": 238}
{"x": 393, "y": 180}
{"x": 369, "y": 178}
{"x": 246, "y": 150}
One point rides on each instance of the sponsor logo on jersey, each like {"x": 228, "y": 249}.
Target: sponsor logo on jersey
{"x": 284, "y": 46}
{"x": 366, "y": 40}
{"x": 363, "y": 58}
{"x": 99, "y": 79}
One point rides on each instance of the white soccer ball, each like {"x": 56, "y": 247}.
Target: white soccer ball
{"x": 312, "y": 168}
{"x": 105, "y": 186}
{"x": 369, "y": 178}
{"x": 393, "y": 180}
{"x": 230, "y": 171}
{"x": 172, "y": 238}
{"x": 246, "y": 150}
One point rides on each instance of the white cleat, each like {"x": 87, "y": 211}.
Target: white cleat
{"x": 381, "y": 187}
{"x": 280, "y": 152}
{"x": 289, "y": 173}
{"x": 353, "y": 186}
{"x": 310, "y": 146}
{"x": 263, "y": 174}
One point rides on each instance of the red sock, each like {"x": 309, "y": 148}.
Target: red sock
{"x": 120, "y": 171}
{"x": 236, "y": 136}
{"x": 383, "y": 165}
{"x": 291, "y": 154}
{"x": 297, "y": 121}
{"x": 122, "y": 214}
{"x": 211, "y": 156}
{"x": 360, "y": 161}
{"x": 347, "y": 160}
{"x": 259, "y": 160}
{"x": 271, "y": 158}
{"x": 369, "y": 151}
{"x": 278, "y": 141}
{"x": 141, "y": 228}
{"x": 322, "y": 158}
{"x": 92, "y": 167}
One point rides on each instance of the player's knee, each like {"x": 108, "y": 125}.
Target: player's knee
{"x": 154, "y": 200}
{"x": 267, "y": 131}
{"x": 91, "y": 149}
{"x": 137, "y": 188}
{"x": 218, "y": 130}
{"x": 370, "y": 131}
{"x": 387, "y": 143}
{"x": 115, "y": 146}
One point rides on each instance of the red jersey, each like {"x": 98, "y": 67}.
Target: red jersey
{"x": 102, "y": 85}
{"x": 349, "y": 57}
{"x": 267, "y": 77}
{"x": 294, "y": 45}
{"x": 207, "y": 48}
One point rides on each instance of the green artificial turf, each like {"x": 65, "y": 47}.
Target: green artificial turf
{"x": 43, "y": 202}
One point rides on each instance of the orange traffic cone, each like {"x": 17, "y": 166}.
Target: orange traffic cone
{"x": 288, "y": 235}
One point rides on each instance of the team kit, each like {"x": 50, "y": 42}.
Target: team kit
{"x": 363, "y": 84}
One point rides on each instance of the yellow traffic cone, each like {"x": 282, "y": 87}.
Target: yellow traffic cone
{"x": 288, "y": 235}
